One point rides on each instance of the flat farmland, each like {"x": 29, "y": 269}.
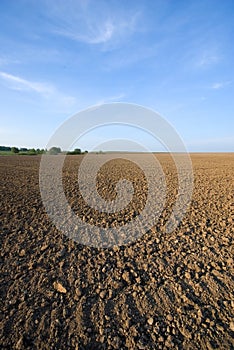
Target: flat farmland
{"x": 161, "y": 291}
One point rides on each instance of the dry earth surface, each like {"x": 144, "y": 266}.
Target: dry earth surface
{"x": 163, "y": 291}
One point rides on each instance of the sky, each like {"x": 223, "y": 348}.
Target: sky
{"x": 60, "y": 57}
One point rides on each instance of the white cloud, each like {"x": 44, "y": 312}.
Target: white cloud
{"x": 104, "y": 34}
{"x": 46, "y": 90}
{"x": 98, "y": 35}
{"x": 220, "y": 85}
{"x": 115, "y": 98}
{"x": 91, "y": 22}
{"x": 208, "y": 59}
{"x": 17, "y": 83}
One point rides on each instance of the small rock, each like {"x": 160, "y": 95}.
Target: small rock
{"x": 102, "y": 339}
{"x": 150, "y": 321}
{"x": 169, "y": 317}
{"x": 59, "y": 287}
{"x": 199, "y": 312}
{"x": 232, "y": 326}
{"x": 102, "y": 294}
{"x": 138, "y": 280}
{"x": 22, "y": 252}
{"x": 215, "y": 272}
{"x": 169, "y": 344}
{"x": 125, "y": 276}
{"x": 44, "y": 247}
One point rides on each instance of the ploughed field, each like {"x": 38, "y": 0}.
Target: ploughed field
{"x": 162, "y": 291}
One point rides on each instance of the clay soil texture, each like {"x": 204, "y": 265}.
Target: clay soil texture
{"x": 162, "y": 291}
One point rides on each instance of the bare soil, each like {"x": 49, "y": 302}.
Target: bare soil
{"x": 163, "y": 291}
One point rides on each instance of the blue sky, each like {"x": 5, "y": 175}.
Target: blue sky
{"x": 59, "y": 57}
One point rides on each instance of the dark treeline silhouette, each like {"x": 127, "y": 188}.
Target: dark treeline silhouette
{"x": 77, "y": 151}
{"x": 5, "y": 148}
{"x": 33, "y": 151}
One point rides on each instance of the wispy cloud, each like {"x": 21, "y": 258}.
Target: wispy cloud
{"x": 220, "y": 85}
{"x": 17, "y": 83}
{"x": 91, "y": 23}
{"x": 45, "y": 90}
{"x": 98, "y": 35}
{"x": 116, "y": 98}
{"x": 208, "y": 59}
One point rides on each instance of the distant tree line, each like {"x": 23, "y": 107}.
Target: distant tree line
{"x": 27, "y": 151}
{"x": 23, "y": 150}
{"x": 5, "y": 148}
{"x": 77, "y": 151}
{"x": 33, "y": 151}
{"x": 57, "y": 150}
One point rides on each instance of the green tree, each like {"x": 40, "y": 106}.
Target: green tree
{"x": 32, "y": 151}
{"x": 15, "y": 150}
{"x": 54, "y": 150}
{"x": 77, "y": 151}
{"x": 40, "y": 151}
{"x": 5, "y": 148}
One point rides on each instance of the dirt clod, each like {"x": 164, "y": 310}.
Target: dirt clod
{"x": 58, "y": 286}
{"x": 150, "y": 321}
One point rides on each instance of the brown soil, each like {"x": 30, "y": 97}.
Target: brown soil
{"x": 165, "y": 291}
